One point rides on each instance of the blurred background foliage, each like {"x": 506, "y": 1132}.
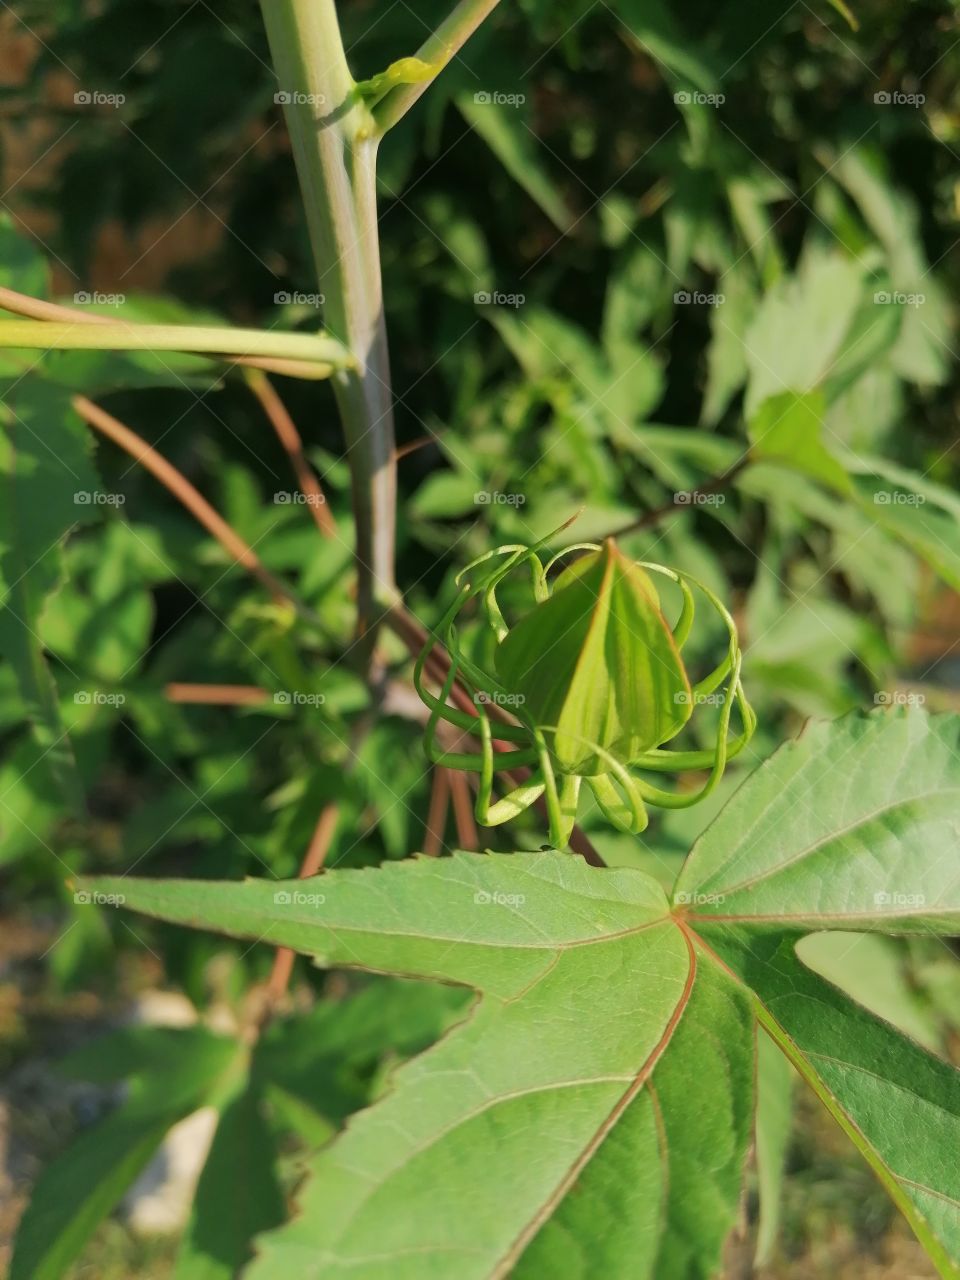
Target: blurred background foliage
{"x": 623, "y": 246}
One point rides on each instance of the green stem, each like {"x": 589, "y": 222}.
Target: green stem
{"x": 335, "y": 148}
{"x": 64, "y": 335}
{"x": 451, "y": 35}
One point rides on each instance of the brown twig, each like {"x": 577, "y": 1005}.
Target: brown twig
{"x": 313, "y": 860}
{"x": 216, "y": 695}
{"x": 437, "y": 811}
{"x": 421, "y": 442}
{"x": 467, "y": 835}
{"x": 192, "y": 499}
{"x": 715, "y": 485}
{"x": 289, "y": 437}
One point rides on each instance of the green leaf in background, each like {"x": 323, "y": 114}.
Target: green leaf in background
{"x": 921, "y": 514}
{"x": 169, "y": 1074}
{"x": 48, "y": 485}
{"x": 237, "y": 1194}
{"x": 29, "y": 806}
{"x": 922, "y": 352}
{"x": 653, "y": 25}
{"x": 316, "y": 1068}
{"x": 802, "y": 324}
{"x": 870, "y": 969}
{"x": 788, "y": 428}
{"x": 504, "y": 130}
{"x": 100, "y": 622}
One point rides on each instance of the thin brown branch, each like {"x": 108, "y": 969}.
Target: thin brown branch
{"x": 691, "y": 497}
{"x": 467, "y": 835}
{"x": 282, "y": 423}
{"x": 192, "y": 499}
{"x": 437, "y": 812}
{"x": 421, "y": 442}
{"x": 216, "y": 695}
{"x": 313, "y": 860}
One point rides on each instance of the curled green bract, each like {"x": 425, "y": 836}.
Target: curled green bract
{"x": 587, "y": 686}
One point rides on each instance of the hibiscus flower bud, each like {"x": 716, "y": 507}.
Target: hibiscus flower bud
{"x": 597, "y": 662}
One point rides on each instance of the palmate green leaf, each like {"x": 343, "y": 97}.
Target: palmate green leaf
{"x": 44, "y": 465}
{"x": 609, "y": 1061}
{"x": 600, "y": 1056}
{"x": 853, "y": 826}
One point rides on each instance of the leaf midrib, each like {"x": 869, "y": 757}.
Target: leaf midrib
{"x": 337, "y": 929}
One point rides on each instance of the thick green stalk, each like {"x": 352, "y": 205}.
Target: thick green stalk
{"x": 335, "y": 147}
